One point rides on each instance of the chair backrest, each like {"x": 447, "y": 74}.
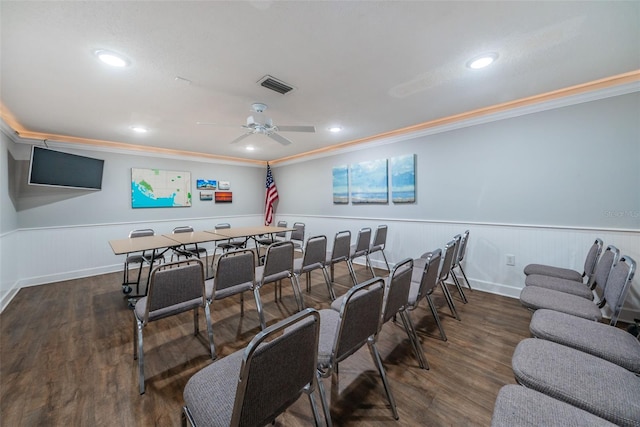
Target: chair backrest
{"x": 282, "y": 233}
{"x": 607, "y": 261}
{"x": 362, "y": 242}
{"x": 223, "y": 225}
{"x": 341, "y": 246}
{"x": 315, "y": 252}
{"x": 456, "y": 257}
{"x": 234, "y": 268}
{"x": 298, "y": 232}
{"x": 379, "y": 239}
{"x": 427, "y": 277}
{"x": 175, "y": 287}
{"x": 278, "y": 261}
{"x": 396, "y": 292}
{"x": 447, "y": 260}
{"x": 618, "y": 285}
{"x": 463, "y": 246}
{"x": 183, "y": 229}
{"x": 141, "y": 233}
{"x": 278, "y": 365}
{"x": 591, "y": 260}
{"x": 359, "y": 318}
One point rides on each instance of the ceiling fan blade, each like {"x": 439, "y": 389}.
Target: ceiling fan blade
{"x": 240, "y": 138}
{"x": 281, "y": 139}
{"x": 296, "y": 128}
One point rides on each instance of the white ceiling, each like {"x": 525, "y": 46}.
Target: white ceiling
{"x": 369, "y": 66}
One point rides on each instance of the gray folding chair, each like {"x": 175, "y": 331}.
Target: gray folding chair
{"x": 229, "y": 244}
{"x": 521, "y": 406}
{"x": 173, "y": 288}
{"x": 340, "y": 253}
{"x": 278, "y": 265}
{"x": 457, "y": 239}
{"x": 235, "y": 274}
{"x": 608, "y": 268}
{"x": 578, "y": 378}
{"x": 573, "y": 287}
{"x": 565, "y": 273}
{"x": 297, "y": 235}
{"x": 604, "y": 341}
{"x": 396, "y": 297}
{"x": 313, "y": 258}
{"x": 344, "y": 332}
{"x": 462, "y": 250}
{"x": 378, "y": 245}
{"x": 252, "y": 386}
{"x": 189, "y": 250}
{"x": 443, "y": 274}
{"x": 423, "y": 282}
{"x": 140, "y": 258}
{"x": 269, "y": 239}
{"x": 360, "y": 249}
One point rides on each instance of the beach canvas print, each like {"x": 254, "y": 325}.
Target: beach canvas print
{"x": 341, "y": 185}
{"x": 403, "y": 179}
{"x": 369, "y": 182}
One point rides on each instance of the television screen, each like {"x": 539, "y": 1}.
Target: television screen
{"x": 58, "y": 169}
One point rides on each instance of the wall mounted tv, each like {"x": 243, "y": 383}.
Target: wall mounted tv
{"x": 58, "y": 169}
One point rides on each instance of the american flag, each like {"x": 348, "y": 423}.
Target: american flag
{"x": 272, "y": 196}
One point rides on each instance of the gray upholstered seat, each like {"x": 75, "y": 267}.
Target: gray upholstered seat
{"x": 534, "y": 297}
{"x": 561, "y": 285}
{"x": 252, "y": 386}
{"x": 227, "y": 245}
{"x": 462, "y": 250}
{"x": 278, "y": 265}
{"x": 457, "y": 239}
{"x": 580, "y": 379}
{"x": 343, "y": 332}
{"x": 139, "y": 258}
{"x": 604, "y": 341}
{"x": 314, "y": 258}
{"x": 173, "y": 289}
{"x": 297, "y": 235}
{"x": 190, "y": 250}
{"x": 523, "y": 407}
{"x": 566, "y": 273}
{"x": 378, "y": 244}
{"x": 424, "y": 280}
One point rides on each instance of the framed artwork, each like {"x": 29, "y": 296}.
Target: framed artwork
{"x": 369, "y": 182}
{"x": 156, "y": 188}
{"x": 224, "y": 185}
{"x": 403, "y": 179}
{"x": 206, "y": 195}
{"x": 206, "y": 184}
{"x": 341, "y": 185}
{"x": 224, "y": 197}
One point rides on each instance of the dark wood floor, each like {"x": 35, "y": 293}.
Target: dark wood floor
{"x": 66, "y": 359}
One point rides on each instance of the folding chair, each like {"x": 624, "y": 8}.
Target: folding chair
{"x": 423, "y": 282}
{"x": 313, "y": 258}
{"x": 378, "y": 245}
{"x": 566, "y": 273}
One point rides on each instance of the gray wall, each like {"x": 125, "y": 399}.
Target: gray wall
{"x": 39, "y": 206}
{"x": 8, "y": 214}
{"x": 575, "y": 166}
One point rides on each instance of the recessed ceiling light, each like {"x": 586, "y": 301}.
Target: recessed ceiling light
{"x": 250, "y": 148}
{"x": 111, "y": 58}
{"x": 482, "y": 60}
{"x": 335, "y": 129}
{"x": 139, "y": 129}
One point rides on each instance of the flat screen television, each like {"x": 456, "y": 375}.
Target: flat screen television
{"x": 58, "y": 169}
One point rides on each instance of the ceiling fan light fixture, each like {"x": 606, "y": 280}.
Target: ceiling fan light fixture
{"x": 482, "y": 61}
{"x": 111, "y": 58}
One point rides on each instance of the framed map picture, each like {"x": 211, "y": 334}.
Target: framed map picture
{"x": 156, "y": 188}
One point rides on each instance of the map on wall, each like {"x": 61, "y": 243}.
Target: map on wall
{"x": 155, "y": 188}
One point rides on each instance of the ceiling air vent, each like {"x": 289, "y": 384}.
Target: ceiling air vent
{"x": 275, "y": 85}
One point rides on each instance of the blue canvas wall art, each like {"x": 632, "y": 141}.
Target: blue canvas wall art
{"x": 369, "y": 182}
{"x": 341, "y": 185}
{"x": 403, "y": 179}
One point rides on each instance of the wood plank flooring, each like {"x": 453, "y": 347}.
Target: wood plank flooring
{"x": 66, "y": 358}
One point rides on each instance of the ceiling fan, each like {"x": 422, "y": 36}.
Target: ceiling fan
{"x": 259, "y": 123}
